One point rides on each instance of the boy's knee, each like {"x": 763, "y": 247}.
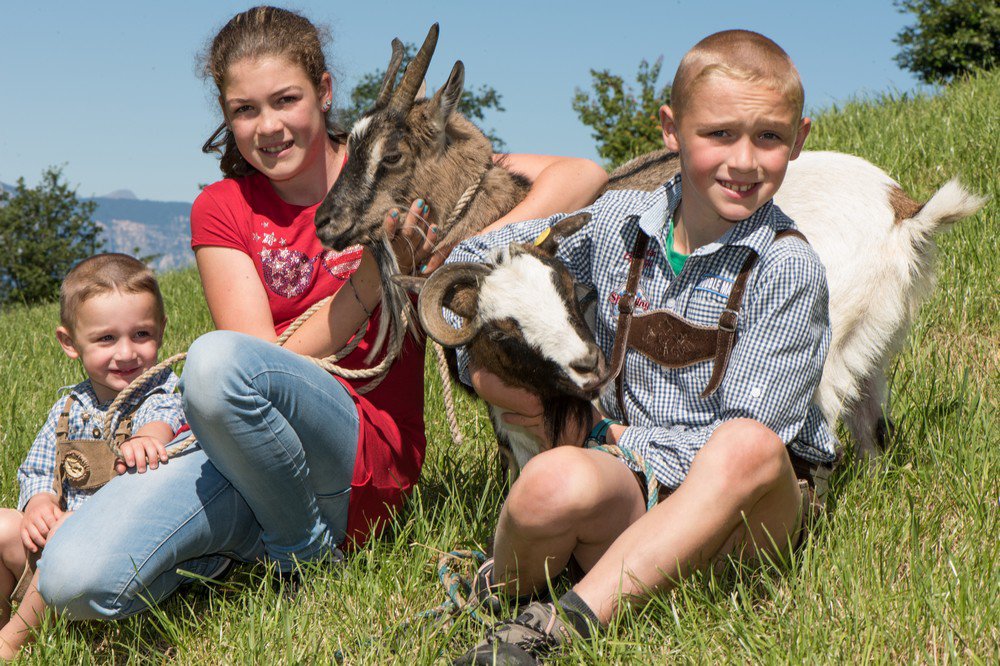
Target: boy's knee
{"x": 750, "y": 454}
{"x": 10, "y": 525}
{"x": 554, "y": 487}
{"x": 10, "y": 532}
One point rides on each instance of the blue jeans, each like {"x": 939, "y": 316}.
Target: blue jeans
{"x": 271, "y": 478}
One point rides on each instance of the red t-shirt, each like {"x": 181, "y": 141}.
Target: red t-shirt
{"x": 246, "y": 214}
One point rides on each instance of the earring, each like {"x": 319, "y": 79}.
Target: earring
{"x": 326, "y": 105}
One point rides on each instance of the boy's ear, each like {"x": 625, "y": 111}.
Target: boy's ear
{"x": 668, "y": 125}
{"x": 66, "y": 342}
{"x": 800, "y": 137}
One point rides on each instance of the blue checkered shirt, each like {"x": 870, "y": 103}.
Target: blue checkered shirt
{"x": 783, "y": 329}
{"x": 160, "y": 402}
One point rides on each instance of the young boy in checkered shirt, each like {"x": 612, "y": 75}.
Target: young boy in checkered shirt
{"x": 112, "y": 320}
{"x": 725, "y": 449}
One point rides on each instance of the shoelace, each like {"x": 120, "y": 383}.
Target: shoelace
{"x": 534, "y": 637}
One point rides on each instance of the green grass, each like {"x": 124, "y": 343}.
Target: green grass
{"x": 904, "y": 568}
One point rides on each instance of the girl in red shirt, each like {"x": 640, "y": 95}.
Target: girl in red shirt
{"x": 293, "y": 463}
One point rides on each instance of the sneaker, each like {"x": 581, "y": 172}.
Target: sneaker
{"x": 490, "y": 596}
{"x": 535, "y": 633}
{"x": 223, "y": 569}
{"x": 486, "y": 594}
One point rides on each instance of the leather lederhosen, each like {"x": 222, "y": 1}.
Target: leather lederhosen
{"x": 86, "y": 464}
{"x": 674, "y": 342}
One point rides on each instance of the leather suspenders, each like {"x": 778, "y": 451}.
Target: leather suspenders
{"x": 670, "y": 340}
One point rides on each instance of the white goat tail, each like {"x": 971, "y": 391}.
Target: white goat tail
{"x": 949, "y": 204}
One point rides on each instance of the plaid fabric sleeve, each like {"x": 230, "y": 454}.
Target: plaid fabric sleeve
{"x": 774, "y": 369}
{"x": 37, "y": 473}
{"x": 163, "y": 406}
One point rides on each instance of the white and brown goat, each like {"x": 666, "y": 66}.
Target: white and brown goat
{"x": 522, "y": 322}
{"x": 876, "y": 242}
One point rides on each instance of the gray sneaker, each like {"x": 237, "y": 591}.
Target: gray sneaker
{"x": 533, "y": 634}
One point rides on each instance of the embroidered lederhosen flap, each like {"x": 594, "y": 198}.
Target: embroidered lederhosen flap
{"x": 672, "y": 341}
{"x": 86, "y": 464}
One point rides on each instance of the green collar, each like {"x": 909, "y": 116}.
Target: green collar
{"x": 674, "y": 258}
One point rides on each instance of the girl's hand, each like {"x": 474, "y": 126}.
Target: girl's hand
{"x": 140, "y": 452}
{"x": 413, "y": 238}
{"x": 523, "y": 409}
{"x": 40, "y": 518}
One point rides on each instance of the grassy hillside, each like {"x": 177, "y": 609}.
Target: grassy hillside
{"x": 906, "y": 567}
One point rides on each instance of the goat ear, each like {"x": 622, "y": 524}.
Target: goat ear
{"x": 448, "y": 97}
{"x": 463, "y": 300}
{"x": 549, "y": 241}
{"x": 410, "y": 283}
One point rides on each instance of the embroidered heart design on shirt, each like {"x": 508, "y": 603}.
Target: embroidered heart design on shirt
{"x": 287, "y": 272}
{"x": 341, "y": 264}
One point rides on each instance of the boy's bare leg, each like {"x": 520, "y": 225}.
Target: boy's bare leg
{"x": 567, "y": 501}
{"x": 22, "y": 625}
{"x": 741, "y": 478}
{"x": 12, "y": 558}
{"x": 18, "y": 628}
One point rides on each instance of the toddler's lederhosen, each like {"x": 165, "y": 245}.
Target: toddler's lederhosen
{"x": 85, "y": 464}
{"x": 673, "y": 342}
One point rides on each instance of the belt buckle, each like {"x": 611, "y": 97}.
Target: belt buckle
{"x": 728, "y": 320}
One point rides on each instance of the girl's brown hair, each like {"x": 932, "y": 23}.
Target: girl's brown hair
{"x": 257, "y": 33}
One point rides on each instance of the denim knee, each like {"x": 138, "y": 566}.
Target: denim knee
{"x": 74, "y": 583}
{"x": 213, "y": 370}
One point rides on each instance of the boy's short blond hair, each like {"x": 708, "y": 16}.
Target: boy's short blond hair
{"x": 104, "y": 274}
{"x": 740, "y": 55}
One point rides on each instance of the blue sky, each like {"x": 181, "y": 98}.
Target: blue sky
{"x": 110, "y": 90}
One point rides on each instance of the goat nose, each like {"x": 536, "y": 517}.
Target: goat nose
{"x": 587, "y": 363}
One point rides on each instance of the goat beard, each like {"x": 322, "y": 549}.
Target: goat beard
{"x": 566, "y": 413}
{"x": 397, "y": 314}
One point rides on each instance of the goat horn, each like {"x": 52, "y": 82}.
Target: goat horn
{"x": 385, "y": 92}
{"x": 441, "y": 285}
{"x": 402, "y": 99}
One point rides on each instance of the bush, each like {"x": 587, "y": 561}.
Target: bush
{"x": 44, "y": 231}
{"x": 951, "y": 38}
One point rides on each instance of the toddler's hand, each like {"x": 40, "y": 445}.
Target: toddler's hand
{"x": 40, "y": 518}
{"x": 140, "y": 452}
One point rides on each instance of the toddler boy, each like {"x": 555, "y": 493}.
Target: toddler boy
{"x": 112, "y": 320}
{"x": 727, "y": 431}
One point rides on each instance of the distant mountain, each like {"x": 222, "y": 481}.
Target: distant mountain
{"x": 160, "y": 228}
{"x": 143, "y": 227}
{"x": 121, "y": 194}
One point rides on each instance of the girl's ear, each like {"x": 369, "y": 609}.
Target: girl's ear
{"x": 222, "y": 107}
{"x": 668, "y": 125}
{"x": 326, "y": 87}
{"x": 66, "y": 342}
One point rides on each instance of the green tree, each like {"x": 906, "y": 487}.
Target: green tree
{"x": 474, "y": 103}
{"x": 951, "y": 38}
{"x": 44, "y": 231}
{"x": 624, "y": 123}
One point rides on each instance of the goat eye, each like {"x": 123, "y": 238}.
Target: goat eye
{"x": 392, "y": 158}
